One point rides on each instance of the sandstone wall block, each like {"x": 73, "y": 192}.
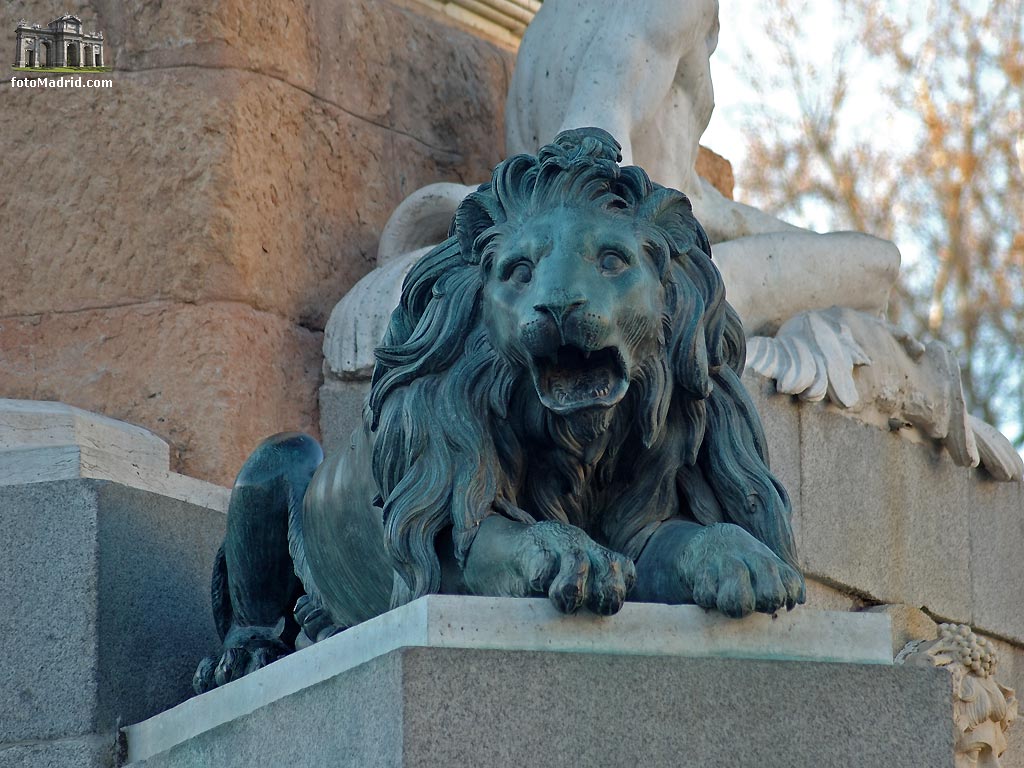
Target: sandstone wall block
{"x": 882, "y": 515}
{"x": 213, "y": 380}
{"x": 198, "y": 185}
{"x": 422, "y": 707}
{"x": 890, "y": 520}
{"x": 249, "y": 153}
{"x": 997, "y": 545}
{"x": 717, "y": 170}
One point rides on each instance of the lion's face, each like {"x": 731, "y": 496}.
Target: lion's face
{"x": 572, "y": 296}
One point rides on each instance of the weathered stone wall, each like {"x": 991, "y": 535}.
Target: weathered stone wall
{"x": 886, "y": 522}
{"x": 174, "y": 245}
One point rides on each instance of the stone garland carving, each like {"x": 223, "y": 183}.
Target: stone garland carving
{"x": 641, "y": 71}
{"x": 556, "y": 411}
{"x": 983, "y": 709}
{"x": 883, "y": 376}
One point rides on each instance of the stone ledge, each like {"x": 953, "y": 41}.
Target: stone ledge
{"x": 521, "y": 624}
{"x": 43, "y": 441}
{"x": 214, "y": 379}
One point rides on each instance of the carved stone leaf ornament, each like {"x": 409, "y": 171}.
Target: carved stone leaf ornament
{"x": 983, "y": 710}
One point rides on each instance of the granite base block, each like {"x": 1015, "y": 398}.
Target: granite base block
{"x": 105, "y": 612}
{"x": 506, "y": 681}
{"x": 78, "y": 752}
{"x": 522, "y": 624}
{"x": 445, "y": 706}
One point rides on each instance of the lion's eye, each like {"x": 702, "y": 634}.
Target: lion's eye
{"x": 611, "y": 261}
{"x": 521, "y": 273}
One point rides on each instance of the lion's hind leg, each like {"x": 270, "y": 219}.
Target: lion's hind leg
{"x": 254, "y": 583}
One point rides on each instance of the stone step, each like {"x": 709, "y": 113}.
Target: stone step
{"x": 42, "y": 441}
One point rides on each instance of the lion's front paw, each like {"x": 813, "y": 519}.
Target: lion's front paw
{"x": 572, "y": 569}
{"x": 728, "y": 569}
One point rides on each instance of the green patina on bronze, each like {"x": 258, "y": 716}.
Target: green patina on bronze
{"x": 556, "y": 410}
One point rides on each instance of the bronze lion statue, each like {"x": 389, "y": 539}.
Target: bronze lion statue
{"x": 555, "y": 410}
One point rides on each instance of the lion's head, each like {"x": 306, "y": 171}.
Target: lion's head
{"x": 574, "y": 313}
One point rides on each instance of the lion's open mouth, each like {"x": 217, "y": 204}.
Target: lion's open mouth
{"x": 574, "y": 379}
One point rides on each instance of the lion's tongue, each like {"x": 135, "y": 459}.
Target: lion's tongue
{"x": 573, "y": 377}
{"x": 571, "y": 386}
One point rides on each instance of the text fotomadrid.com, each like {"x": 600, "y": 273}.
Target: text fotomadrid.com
{"x": 60, "y": 82}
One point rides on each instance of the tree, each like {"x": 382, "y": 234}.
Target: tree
{"x": 912, "y": 132}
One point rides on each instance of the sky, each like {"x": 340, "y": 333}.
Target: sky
{"x": 732, "y": 91}
{"x": 732, "y": 71}
{"x": 741, "y": 31}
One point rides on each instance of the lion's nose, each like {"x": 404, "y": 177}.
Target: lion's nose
{"x": 560, "y": 309}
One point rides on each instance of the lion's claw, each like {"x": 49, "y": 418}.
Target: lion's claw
{"x": 728, "y": 569}
{"x": 568, "y": 588}
{"x": 617, "y": 582}
{"x": 233, "y": 665}
{"x": 202, "y": 681}
{"x": 736, "y": 596}
{"x": 315, "y": 620}
{"x": 246, "y": 650}
{"x": 573, "y": 570}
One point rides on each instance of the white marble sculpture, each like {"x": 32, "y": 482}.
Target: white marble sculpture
{"x": 983, "y": 709}
{"x": 641, "y": 71}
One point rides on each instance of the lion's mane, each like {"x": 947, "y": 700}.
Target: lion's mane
{"x": 442, "y": 399}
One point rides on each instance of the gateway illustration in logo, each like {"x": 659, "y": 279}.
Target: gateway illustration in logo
{"x": 60, "y": 44}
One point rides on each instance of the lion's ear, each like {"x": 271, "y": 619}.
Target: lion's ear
{"x": 474, "y": 216}
{"x": 510, "y": 188}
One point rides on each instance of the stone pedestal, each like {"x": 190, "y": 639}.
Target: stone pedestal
{"x": 105, "y": 614}
{"x": 509, "y": 682}
{"x": 104, "y": 581}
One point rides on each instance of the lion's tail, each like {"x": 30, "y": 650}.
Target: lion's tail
{"x": 220, "y": 596}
